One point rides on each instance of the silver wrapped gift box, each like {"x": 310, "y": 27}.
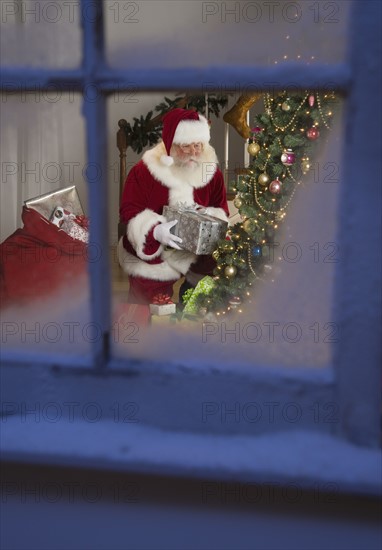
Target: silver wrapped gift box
{"x": 67, "y": 198}
{"x": 199, "y": 231}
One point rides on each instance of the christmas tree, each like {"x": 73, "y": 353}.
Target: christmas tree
{"x": 281, "y": 146}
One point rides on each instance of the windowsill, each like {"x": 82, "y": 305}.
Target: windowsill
{"x": 301, "y": 457}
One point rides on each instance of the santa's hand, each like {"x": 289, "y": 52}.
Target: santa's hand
{"x": 162, "y": 234}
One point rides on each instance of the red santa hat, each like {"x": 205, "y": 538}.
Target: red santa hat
{"x": 183, "y": 126}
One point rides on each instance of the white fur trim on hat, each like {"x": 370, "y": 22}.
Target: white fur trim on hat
{"x": 192, "y": 131}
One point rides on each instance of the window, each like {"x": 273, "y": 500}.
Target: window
{"x": 342, "y": 401}
{"x": 289, "y": 320}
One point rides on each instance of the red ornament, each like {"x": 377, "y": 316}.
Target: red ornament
{"x": 256, "y": 130}
{"x": 311, "y": 100}
{"x": 312, "y": 133}
{"x": 275, "y": 187}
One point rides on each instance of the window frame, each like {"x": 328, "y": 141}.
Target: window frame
{"x": 356, "y": 392}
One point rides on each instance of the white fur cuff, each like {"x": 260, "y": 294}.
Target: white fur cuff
{"x": 139, "y": 227}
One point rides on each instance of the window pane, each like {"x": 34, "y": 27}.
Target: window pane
{"x": 287, "y": 320}
{"x": 41, "y": 34}
{"x": 181, "y": 34}
{"x": 45, "y": 287}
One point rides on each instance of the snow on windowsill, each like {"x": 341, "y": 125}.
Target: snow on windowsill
{"x": 284, "y": 457}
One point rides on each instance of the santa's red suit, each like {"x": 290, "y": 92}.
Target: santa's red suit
{"x": 154, "y": 182}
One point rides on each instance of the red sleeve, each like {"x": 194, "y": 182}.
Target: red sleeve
{"x": 136, "y": 198}
{"x": 152, "y": 244}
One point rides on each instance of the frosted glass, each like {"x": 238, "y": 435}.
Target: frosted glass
{"x": 42, "y": 150}
{"x": 181, "y": 34}
{"x": 41, "y": 34}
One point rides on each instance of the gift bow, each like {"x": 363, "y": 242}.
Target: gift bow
{"x": 162, "y": 299}
{"x": 195, "y": 209}
{"x": 61, "y": 215}
{"x": 82, "y": 221}
{"x": 184, "y": 207}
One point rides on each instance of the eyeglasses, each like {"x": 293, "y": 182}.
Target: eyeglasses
{"x": 186, "y": 147}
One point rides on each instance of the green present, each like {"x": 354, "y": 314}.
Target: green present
{"x": 204, "y": 287}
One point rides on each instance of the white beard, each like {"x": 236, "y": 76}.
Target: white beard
{"x": 196, "y": 175}
{"x": 188, "y": 165}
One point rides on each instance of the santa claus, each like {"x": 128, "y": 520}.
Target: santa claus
{"x": 183, "y": 168}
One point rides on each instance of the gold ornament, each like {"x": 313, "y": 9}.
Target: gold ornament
{"x": 249, "y": 225}
{"x": 305, "y": 165}
{"x": 230, "y": 271}
{"x": 263, "y": 179}
{"x": 285, "y": 106}
{"x": 238, "y": 203}
{"x": 253, "y": 148}
{"x": 215, "y": 255}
